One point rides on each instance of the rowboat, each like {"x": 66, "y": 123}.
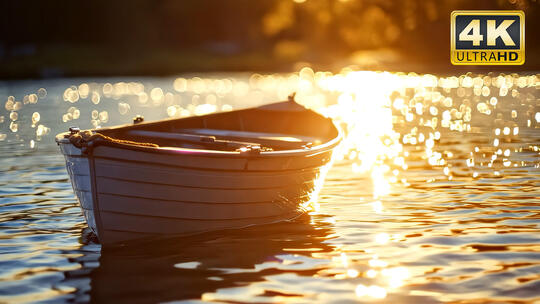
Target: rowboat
{"x": 190, "y": 175}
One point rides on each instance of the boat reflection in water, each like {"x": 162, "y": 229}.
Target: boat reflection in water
{"x": 179, "y": 268}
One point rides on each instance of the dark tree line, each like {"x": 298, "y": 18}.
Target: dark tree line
{"x": 168, "y": 36}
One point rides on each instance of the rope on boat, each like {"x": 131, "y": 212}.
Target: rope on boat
{"x": 85, "y": 139}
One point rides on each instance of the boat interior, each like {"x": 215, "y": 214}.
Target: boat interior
{"x": 266, "y": 129}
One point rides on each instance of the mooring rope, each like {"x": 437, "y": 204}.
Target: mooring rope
{"x": 83, "y": 138}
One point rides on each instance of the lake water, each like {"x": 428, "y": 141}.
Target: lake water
{"x": 433, "y": 197}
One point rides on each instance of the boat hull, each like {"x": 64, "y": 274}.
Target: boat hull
{"x": 129, "y": 194}
{"x": 185, "y": 176}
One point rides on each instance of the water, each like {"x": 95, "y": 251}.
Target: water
{"x": 414, "y": 210}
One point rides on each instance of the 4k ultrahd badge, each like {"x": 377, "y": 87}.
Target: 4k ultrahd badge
{"x": 487, "y": 37}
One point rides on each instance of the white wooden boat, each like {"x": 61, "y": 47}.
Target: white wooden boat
{"x": 196, "y": 174}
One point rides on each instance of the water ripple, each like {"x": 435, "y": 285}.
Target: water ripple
{"x": 432, "y": 198}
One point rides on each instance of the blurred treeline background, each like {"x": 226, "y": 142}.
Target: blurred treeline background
{"x": 161, "y": 37}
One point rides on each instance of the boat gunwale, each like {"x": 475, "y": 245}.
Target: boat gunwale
{"x": 62, "y": 138}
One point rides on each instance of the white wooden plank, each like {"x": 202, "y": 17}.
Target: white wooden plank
{"x": 185, "y": 194}
{"x": 200, "y": 178}
{"x": 181, "y": 210}
{"x": 146, "y": 224}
